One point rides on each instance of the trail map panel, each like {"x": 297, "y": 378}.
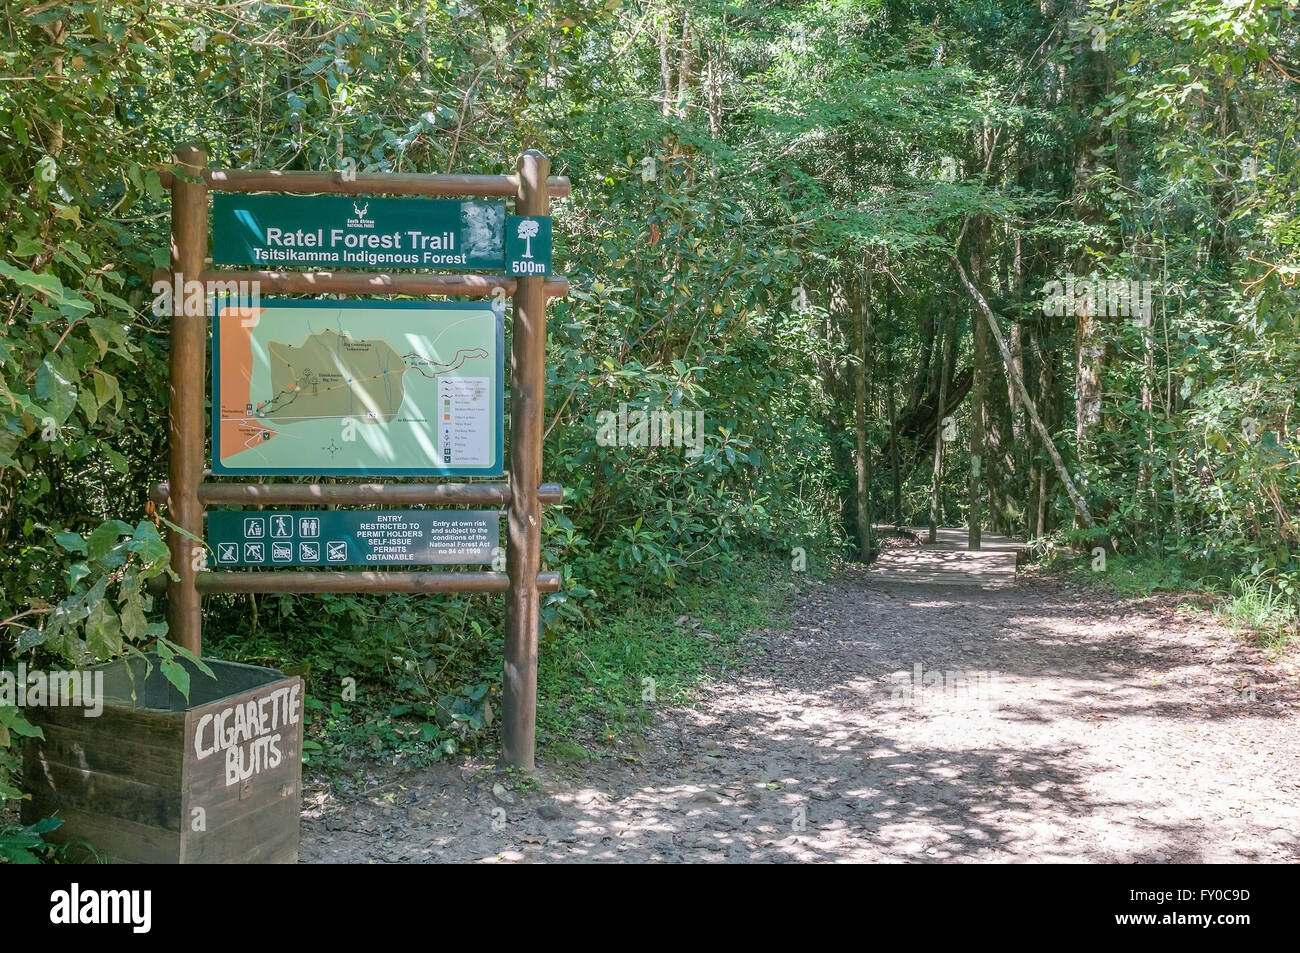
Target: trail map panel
{"x": 361, "y": 387}
{"x": 281, "y": 538}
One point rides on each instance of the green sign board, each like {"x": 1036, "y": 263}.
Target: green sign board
{"x": 528, "y": 245}
{"x": 271, "y": 538}
{"x": 333, "y": 231}
{"x": 360, "y": 387}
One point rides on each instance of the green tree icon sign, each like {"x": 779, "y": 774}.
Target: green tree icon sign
{"x": 527, "y": 229}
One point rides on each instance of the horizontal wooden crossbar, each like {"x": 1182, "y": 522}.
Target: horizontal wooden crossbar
{"x": 210, "y": 583}
{"x": 344, "y": 282}
{"x": 389, "y": 183}
{"x": 358, "y": 494}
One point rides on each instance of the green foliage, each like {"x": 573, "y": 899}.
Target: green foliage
{"x": 1264, "y": 608}
{"x": 593, "y": 681}
{"x": 80, "y": 374}
{"x": 396, "y": 679}
{"x": 1144, "y": 575}
{"x": 400, "y": 683}
{"x": 27, "y": 845}
{"x": 101, "y": 617}
{"x": 724, "y": 160}
{"x": 1261, "y": 606}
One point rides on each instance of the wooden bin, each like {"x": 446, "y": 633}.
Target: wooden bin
{"x": 157, "y": 779}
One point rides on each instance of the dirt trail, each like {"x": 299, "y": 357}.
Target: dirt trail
{"x": 1112, "y": 731}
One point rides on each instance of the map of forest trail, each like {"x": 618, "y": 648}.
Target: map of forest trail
{"x": 330, "y": 375}
{"x": 295, "y": 380}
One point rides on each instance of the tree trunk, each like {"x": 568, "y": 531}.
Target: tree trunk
{"x": 945, "y": 371}
{"x": 1080, "y": 506}
{"x": 685, "y": 63}
{"x": 977, "y": 455}
{"x": 1042, "y": 500}
{"x": 1049, "y": 408}
{"x": 665, "y": 67}
{"x": 892, "y": 407}
{"x": 1089, "y": 86}
{"x": 925, "y": 332}
{"x": 860, "y": 413}
{"x": 978, "y": 237}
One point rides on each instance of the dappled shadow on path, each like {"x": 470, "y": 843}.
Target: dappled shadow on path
{"x": 1059, "y": 726}
{"x": 924, "y": 724}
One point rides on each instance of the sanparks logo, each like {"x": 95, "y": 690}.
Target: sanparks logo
{"x": 360, "y": 220}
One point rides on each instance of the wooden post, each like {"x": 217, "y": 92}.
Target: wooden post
{"x": 186, "y": 494}
{"x": 186, "y": 425}
{"x": 524, "y": 524}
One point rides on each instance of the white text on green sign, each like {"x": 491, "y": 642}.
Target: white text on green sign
{"x": 364, "y": 232}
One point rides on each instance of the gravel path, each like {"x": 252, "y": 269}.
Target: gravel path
{"x": 1049, "y": 723}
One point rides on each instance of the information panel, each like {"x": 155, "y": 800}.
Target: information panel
{"x": 353, "y": 537}
{"x": 358, "y": 387}
{"x": 528, "y": 245}
{"x": 340, "y": 232}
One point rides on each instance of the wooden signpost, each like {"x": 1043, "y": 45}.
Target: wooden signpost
{"x": 371, "y": 230}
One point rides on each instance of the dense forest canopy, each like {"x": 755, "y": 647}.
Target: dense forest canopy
{"x": 1034, "y": 262}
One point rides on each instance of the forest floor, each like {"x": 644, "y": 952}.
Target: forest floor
{"x": 1070, "y": 725}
